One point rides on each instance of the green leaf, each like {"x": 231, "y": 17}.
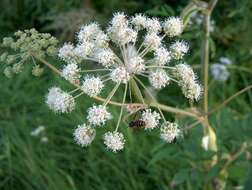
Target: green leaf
{"x": 136, "y": 92}
{"x": 181, "y": 176}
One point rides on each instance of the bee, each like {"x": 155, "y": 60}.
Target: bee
{"x": 137, "y": 123}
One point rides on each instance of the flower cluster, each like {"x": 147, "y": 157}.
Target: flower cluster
{"x": 27, "y": 43}
{"x": 219, "y": 70}
{"x": 125, "y": 57}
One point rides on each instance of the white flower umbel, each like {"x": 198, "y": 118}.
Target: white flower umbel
{"x": 71, "y": 72}
{"x": 179, "y": 49}
{"x": 150, "y": 118}
{"x": 124, "y": 56}
{"x": 120, "y": 75}
{"x": 173, "y": 26}
{"x": 98, "y": 115}
{"x": 60, "y": 101}
{"x": 114, "y": 141}
{"x": 169, "y": 132}
{"x": 92, "y": 86}
{"x": 162, "y": 56}
{"x": 159, "y": 78}
{"x": 84, "y": 135}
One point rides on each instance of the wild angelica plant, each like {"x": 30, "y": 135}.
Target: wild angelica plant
{"x": 138, "y": 58}
{"x": 142, "y": 53}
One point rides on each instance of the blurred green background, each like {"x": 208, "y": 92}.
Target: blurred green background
{"x": 146, "y": 163}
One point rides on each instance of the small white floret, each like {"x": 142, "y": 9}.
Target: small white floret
{"x": 179, "y": 49}
{"x": 139, "y": 21}
{"x": 150, "y": 118}
{"x": 173, "y": 26}
{"x": 92, "y": 86}
{"x": 120, "y": 75}
{"x": 159, "y": 78}
{"x": 71, "y": 72}
{"x": 60, "y": 101}
{"x": 162, "y": 56}
{"x": 169, "y": 132}
{"x": 84, "y": 135}
{"x": 114, "y": 141}
{"x": 98, "y": 115}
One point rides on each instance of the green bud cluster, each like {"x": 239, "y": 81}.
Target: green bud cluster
{"x": 25, "y": 44}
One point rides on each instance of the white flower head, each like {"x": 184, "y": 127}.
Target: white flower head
{"x": 67, "y": 53}
{"x": 150, "y": 118}
{"x": 120, "y": 75}
{"x": 139, "y": 21}
{"x": 84, "y": 49}
{"x": 173, "y": 26}
{"x": 119, "y": 20}
{"x": 220, "y": 72}
{"x": 153, "y": 25}
{"x": 114, "y": 141}
{"x": 135, "y": 65}
{"x": 101, "y": 40}
{"x": 98, "y": 115}
{"x": 84, "y": 135}
{"x": 92, "y": 86}
{"x": 184, "y": 73}
{"x": 88, "y": 32}
{"x": 105, "y": 56}
{"x": 152, "y": 41}
{"x": 159, "y": 78}
{"x": 60, "y": 101}
{"x": 71, "y": 72}
{"x": 169, "y": 132}
{"x": 192, "y": 90}
{"x": 162, "y": 56}
{"x": 179, "y": 49}
{"x": 122, "y": 36}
